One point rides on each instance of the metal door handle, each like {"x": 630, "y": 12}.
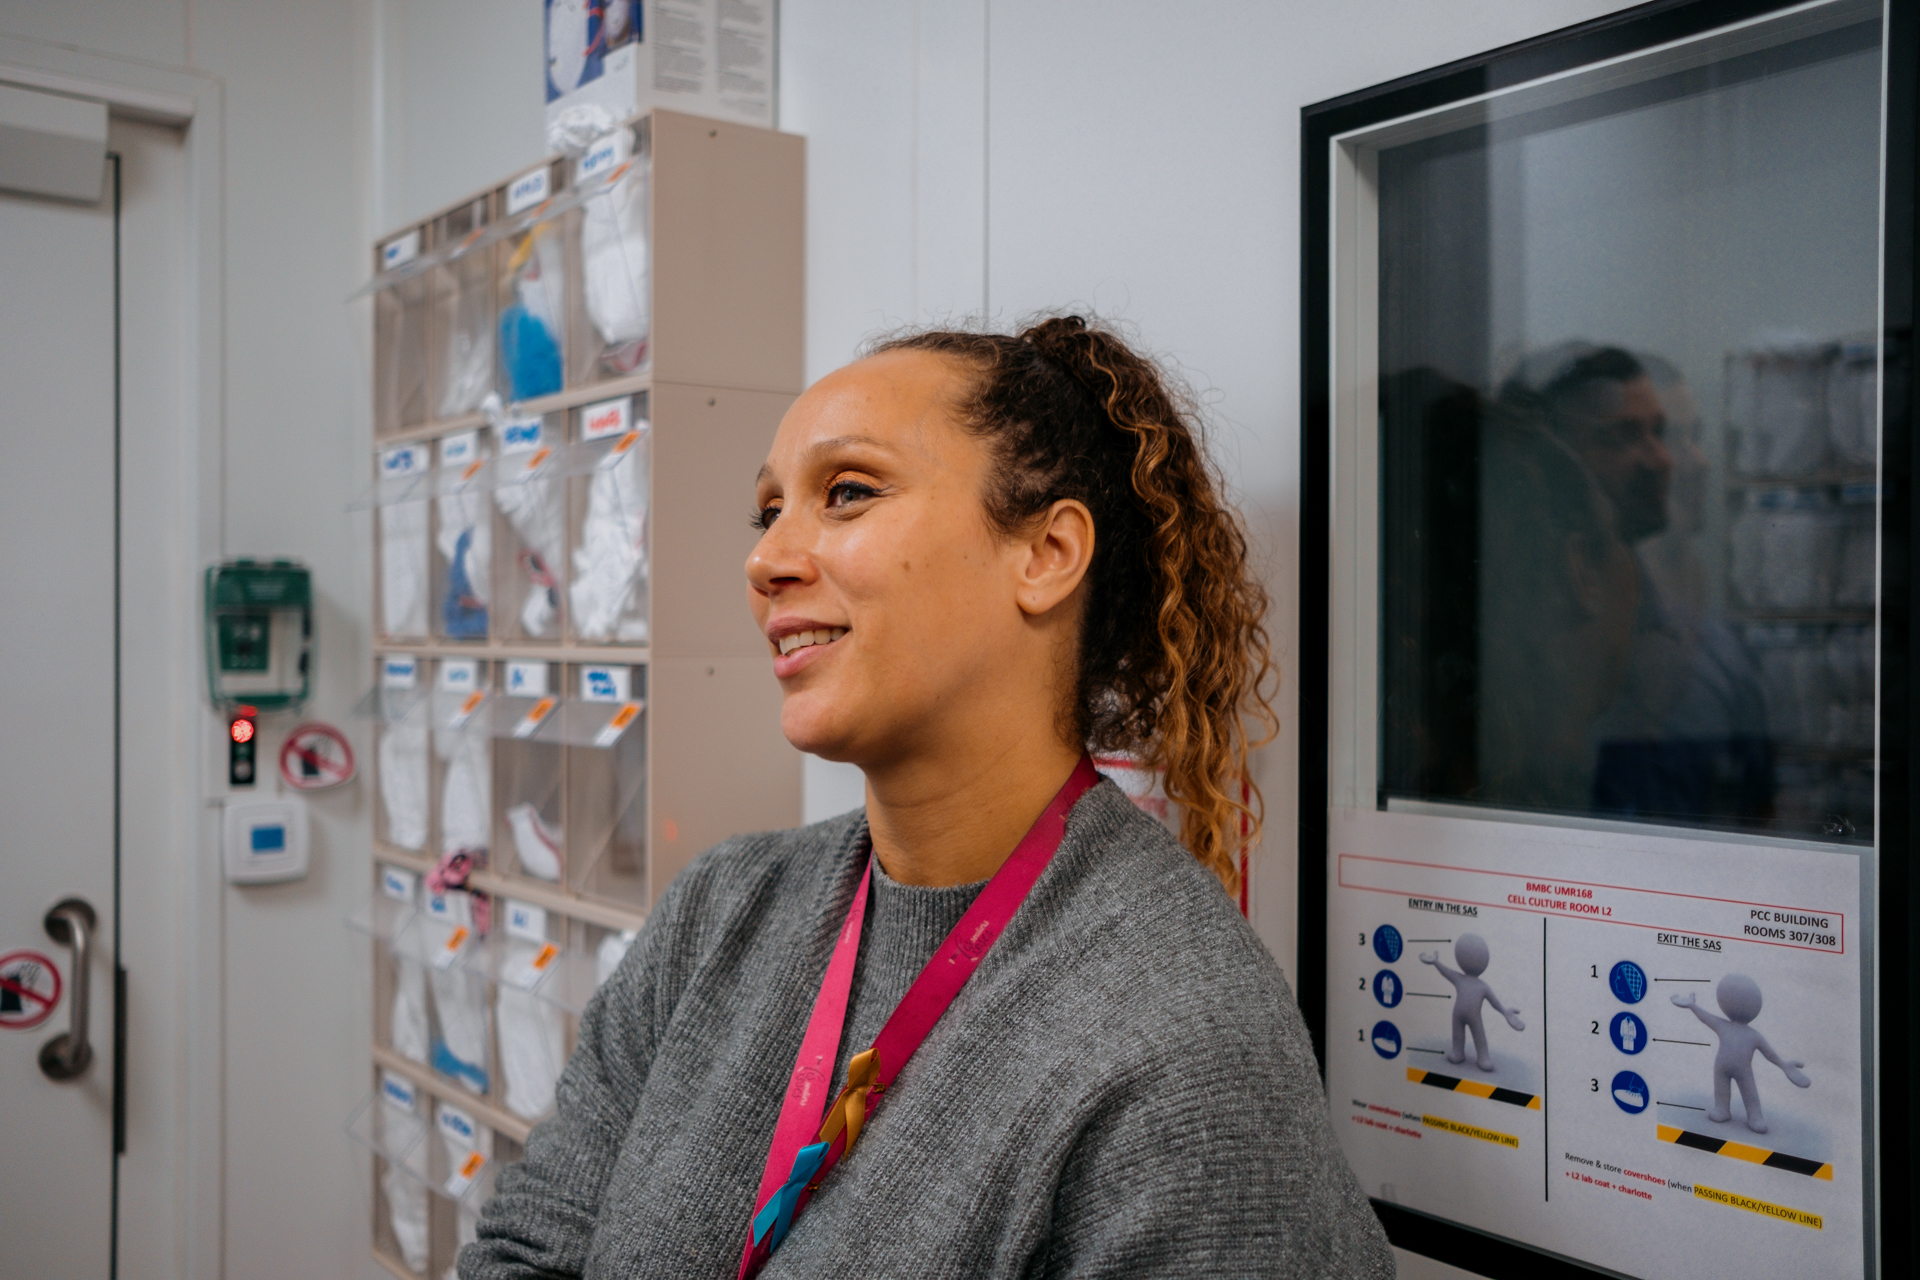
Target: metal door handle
{"x": 68, "y": 1055}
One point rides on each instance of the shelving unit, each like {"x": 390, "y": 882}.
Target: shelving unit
{"x": 566, "y": 683}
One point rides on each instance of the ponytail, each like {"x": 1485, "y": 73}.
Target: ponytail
{"x": 1174, "y": 665}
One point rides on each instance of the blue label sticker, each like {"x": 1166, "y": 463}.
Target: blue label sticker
{"x": 1630, "y": 1093}
{"x": 1628, "y": 982}
{"x": 1628, "y": 1032}
{"x": 1386, "y": 943}
{"x": 1386, "y": 1039}
{"x": 1386, "y": 988}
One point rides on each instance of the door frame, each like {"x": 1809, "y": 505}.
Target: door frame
{"x": 192, "y": 535}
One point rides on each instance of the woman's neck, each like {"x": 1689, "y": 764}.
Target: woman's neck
{"x": 955, "y": 819}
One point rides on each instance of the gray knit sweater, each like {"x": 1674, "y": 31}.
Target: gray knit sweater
{"x": 1124, "y": 1088}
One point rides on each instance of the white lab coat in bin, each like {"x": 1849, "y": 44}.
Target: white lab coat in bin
{"x": 467, "y": 1223}
{"x": 403, "y": 783}
{"x": 465, "y": 539}
{"x": 407, "y": 1210}
{"x": 409, "y": 1026}
{"x": 466, "y": 792}
{"x": 536, "y": 842}
{"x": 403, "y": 569}
{"x": 610, "y": 564}
{"x": 533, "y": 1044}
{"x": 533, "y": 509}
{"x": 613, "y": 242}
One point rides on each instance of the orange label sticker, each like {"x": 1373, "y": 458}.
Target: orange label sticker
{"x": 473, "y": 469}
{"x": 611, "y": 731}
{"x": 538, "y": 456}
{"x": 625, "y": 442}
{"x": 547, "y": 955}
{"x": 535, "y": 714}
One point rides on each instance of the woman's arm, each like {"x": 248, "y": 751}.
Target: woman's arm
{"x": 540, "y": 1222}
{"x": 1218, "y": 1160}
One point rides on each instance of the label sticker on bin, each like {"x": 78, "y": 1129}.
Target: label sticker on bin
{"x": 611, "y": 731}
{"x": 398, "y": 884}
{"x": 396, "y": 1091}
{"x": 524, "y": 920}
{"x": 463, "y": 1177}
{"x": 458, "y": 675}
{"x": 408, "y": 459}
{"x": 606, "y": 155}
{"x": 527, "y": 190}
{"x": 518, "y": 437}
{"x": 459, "y": 450}
{"x": 608, "y": 418}
{"x": 606, "y": 684}
{"x": 400, "y": 251}
{"x": 459, "y": 1127}
{"x": 527, "y": 973}
{"x": 398, "y": 672}
{"x": 527, "y": 679}
{"x": 537, "y": 713}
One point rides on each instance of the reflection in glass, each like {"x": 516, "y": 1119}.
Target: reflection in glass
{"x": 1628, "y": 410}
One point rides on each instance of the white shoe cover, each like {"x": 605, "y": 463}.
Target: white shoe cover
{"x": 403, "y": 782}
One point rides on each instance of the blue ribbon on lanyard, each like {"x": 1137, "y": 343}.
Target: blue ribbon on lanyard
{"x": 777, "y": 1215}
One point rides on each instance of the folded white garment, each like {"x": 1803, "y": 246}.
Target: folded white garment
{"x": 536, "y": 842}
{"x": 407, "y": 1211}
{"x": 466, "y": 792}
{"x": 409, "y": 1027}
{"x": 609, "y": 565}
{"x": 532, "y": 1042}
{"x": 403, "y": 568}
{"x": 460, "y": 1051}
{"x": 532, "y": 507}
{"x": 403, "y": 782}
{"x": 613, "y": 244}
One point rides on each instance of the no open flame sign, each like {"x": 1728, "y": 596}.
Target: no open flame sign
{"x": 29, "y": 989}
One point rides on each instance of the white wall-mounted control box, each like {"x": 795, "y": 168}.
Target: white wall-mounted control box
{"x": 264, "y": 839}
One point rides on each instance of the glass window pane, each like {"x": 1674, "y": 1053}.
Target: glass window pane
{"x": 1628, "y": 454}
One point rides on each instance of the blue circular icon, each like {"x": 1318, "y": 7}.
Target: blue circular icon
{"x": 1386, "y": 1039}
{"x": 1630, "y": 1093}
{"x": 1386, "y": 943}
{"x": 1629, "y": 982}
{"x": 1386, "y": 988}
{"x": 1628, "y": 1032}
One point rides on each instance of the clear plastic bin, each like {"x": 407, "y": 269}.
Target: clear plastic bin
{"x": 1778, "y": 403}
{"x": 606, "y": 757}
{"x": 528, "y": 778}
{"x": 463, "y": 321}
{"x": 403, "y": 1210}
{"x": 1785, "y": 549}
{"x": 400, "y": 355}
{"x": 462, "y": 538}
{"x": 607, "y": 504}
{"x": 529, "y": 498}
{"x": 531, "y": 288}
{"x": 398, "y": 706}
{"x": 612, "y": 318}
{"x": 400, "y": 505}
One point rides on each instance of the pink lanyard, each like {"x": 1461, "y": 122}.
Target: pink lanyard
{"x": 804, "y": 1149}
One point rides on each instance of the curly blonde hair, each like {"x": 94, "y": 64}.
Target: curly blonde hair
{"x": 1071, "y": 410}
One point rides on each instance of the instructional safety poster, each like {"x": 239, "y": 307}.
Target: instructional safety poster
{"x": 1642, "y": 1053}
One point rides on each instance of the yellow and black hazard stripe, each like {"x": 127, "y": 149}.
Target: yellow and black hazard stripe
{"x": 1741, "y": 1151}
{"x": 1513, "y": 1097}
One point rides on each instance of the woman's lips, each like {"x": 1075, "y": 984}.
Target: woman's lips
{"x": 800, "y": 650}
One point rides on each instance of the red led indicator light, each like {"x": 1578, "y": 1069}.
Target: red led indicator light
{"x": 242, "y": 730}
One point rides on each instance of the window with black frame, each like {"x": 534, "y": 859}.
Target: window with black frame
{"x": 1607, "y": 621}
{"x": 1628, "y": 372}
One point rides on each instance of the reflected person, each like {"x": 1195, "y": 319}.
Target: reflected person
{"x": 1558, "y": 597}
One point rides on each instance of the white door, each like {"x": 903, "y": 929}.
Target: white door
{"x": 58, "y": 790}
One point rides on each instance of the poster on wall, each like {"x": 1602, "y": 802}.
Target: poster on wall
{"x": 1641, "y": 1053}
{"x": 706, "y": 57}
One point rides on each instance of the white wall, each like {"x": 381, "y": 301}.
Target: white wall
{"x": 284, "y": 1045}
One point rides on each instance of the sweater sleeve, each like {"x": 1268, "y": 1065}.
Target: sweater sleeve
{"x": 1214, "y": 1158}
{"x": 540, "y": 1222}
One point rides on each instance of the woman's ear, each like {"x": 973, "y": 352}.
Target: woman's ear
{"x": 1051, "y": 560}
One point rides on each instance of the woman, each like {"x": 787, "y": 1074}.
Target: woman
{"x": 978, "y": 555}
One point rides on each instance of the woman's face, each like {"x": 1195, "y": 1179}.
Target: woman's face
{"x": 893, "y": 612}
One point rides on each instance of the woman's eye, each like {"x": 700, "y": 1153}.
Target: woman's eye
{"x": 842, "y": 492}
{"x": 763, "y": 518}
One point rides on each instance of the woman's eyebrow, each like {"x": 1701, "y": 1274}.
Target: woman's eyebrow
{"x": 832, "y": 445}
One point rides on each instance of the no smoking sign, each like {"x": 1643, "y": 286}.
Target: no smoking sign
{"x": 29, "y": 989}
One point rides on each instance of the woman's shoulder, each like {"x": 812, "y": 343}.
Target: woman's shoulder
{"x": 763, "y": 869}
{"x": 1138, "y": 914}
